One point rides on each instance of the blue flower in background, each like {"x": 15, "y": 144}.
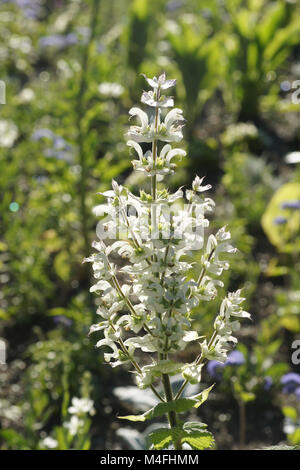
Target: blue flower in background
{"x": 63, "y": 320}
{"x": 30, "y": 8}
{"x": 61, "y": 149}
{"x": 291, "y": 383}
{"x": 268, "y": 381}
{"x": 174, "y": 5}
{"x": 235, "y": 358}
{"x": 42, "y": 133}
{"x": 294, "y": 205}
{"x": 214, "y": 368}
{"x": 60, "y": 41}
{"x": 279, "y": 220}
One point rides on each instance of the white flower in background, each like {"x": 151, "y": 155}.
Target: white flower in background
{"x": 152, "y": 311}
{"x": 10, "y": 412}
{"x": 113, "y": 90}
{"x": 81, "y": 406}
{"x": 74, "y": 425}
{"x": 49, "y": 442}
{"x": 26, "y": 95}
{"x": 8, "y": 133}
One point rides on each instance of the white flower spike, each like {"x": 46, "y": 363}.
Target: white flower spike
{"x": 151, "y": 313}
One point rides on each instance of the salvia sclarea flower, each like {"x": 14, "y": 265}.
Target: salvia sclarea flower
{"x": 291, "y": 383}
{"x": 156, "y": 233}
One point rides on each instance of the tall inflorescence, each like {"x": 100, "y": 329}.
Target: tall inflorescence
{"x": 157, "y": 234}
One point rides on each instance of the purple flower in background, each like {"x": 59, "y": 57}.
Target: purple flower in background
{"x": 61, "y": 149}
{"x": 42, "y": 133}
{"x": 294, "y": 205}
{"x": 291, "y": 383}
{"x": 174, "y": 5}
{"x": 63, "y": 320}
{"x": 84, "y": 34}
{"x": 61, "y": 144}
{"x": 60, "y": 41}
{"x": 279, "y": 220}
{"x": 235, "y": 358}
{"x": 268, "y": 381}
{"x": 214, "y": 368}
{"x": 30, "y": 8}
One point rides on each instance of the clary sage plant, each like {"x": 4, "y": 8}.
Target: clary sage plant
{"x": 146, "y": 300}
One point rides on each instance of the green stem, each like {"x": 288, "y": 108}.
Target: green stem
{"x": 80, "y": 108}
{"x": 153, "y": 177}
{"x": 135, "y": 364}
{"x": 198, "y": 361}
{"x": 172, "y": 417}
{"x": 154, "y": 151}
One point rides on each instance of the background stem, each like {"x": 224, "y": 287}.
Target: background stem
{"x": 242, "y": 413}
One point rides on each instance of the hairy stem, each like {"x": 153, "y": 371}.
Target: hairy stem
{"x": 135, "y": 365}
{"x": 172, "y": 417}
{"x": 198, "y": 361}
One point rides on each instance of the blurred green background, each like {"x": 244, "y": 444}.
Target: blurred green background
{"x": 72, "y": 69}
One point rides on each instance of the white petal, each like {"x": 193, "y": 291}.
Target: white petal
{"x": 137, "y": 147}
{"x": 142, "y": 115}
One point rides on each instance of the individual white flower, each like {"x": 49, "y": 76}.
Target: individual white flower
{"x": 144, "y": 132}
{"x": 192, "y": 373}
{"x": 74, "y": 425}
{"x": 8, "y": 133}
{"x": 150, "y": 98}
{"x": 49, "y": 442}
{"x": 113, "y": 90}
{"x": 196, "y": 185}
{"x": 26, "y": 95}
{"x": 81, "y": 406}
{"x": 161, "y": 82}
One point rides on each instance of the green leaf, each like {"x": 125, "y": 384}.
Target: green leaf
{"x": 13, "y": 439}
{"x": 203, "y": 396}
{"x": 179, "y": 406}
{"x": 192, "y": 426}
{"x": 192, "y": 433}
{"x": 289, "y": 412}
{"x": 166, "y": 367}
{"x": 294, "y": 438}
{"x": 281, "y": 447}
{"x": 134, "y": 417}
{"x": 281, "y": 236}
{"x": 62, "y": 265}
{"x": 161, "y": 438}
{"x": 199, "y": 440}
{"x": 247, "y": 396}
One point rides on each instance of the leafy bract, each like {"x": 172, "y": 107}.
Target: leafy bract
{"x": 179, "y": 406}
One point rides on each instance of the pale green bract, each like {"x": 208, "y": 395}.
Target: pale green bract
{"x": 151, "y": 312}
